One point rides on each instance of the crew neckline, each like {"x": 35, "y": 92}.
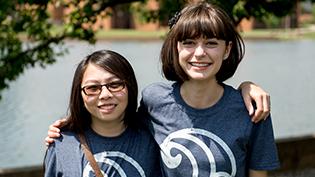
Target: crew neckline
{"x": 203, "y": 111}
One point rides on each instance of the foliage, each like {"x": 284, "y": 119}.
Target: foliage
{"x": 271, "y": 21}
{"x": 237, "y": 9}
{"x": 27, "y": 36}
{"x": 31, "y": 19}
{"x": 261, "y": 9}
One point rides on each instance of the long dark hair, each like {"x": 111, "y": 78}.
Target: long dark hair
{"x": 79, "y": 119}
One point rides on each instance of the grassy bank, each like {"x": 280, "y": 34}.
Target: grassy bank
{"x": 123, "y": 34}
{"x": 278, "y": 34}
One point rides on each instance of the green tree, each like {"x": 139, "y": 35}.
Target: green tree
{"x": 28, "y": 38}
{"x": 237, "y": 9}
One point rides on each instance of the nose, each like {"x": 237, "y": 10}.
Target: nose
{"x": 199, "y": 50}
{"x": 105, "y": 93}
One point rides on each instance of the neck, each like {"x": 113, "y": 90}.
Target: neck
{"x": 108, "y": 129}
{"x": 199, "y": 94}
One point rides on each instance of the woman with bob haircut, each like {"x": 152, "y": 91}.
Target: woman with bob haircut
{"x": 200, "y": 123}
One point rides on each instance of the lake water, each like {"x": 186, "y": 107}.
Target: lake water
{"x": 40, "y": 96}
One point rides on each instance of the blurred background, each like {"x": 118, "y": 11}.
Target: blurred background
{"x": 42, "y": 41}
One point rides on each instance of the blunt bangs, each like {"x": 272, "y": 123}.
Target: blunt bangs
{"x": 201, "y": 23}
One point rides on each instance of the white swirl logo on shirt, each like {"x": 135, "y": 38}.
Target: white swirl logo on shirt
{"x": 193, "y": 135}
{"x": 104, "y": 157}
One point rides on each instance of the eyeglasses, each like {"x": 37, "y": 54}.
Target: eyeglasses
{"x": 96, "y": 89}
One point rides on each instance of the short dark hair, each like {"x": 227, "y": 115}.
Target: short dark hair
{"x": 79, "y": 119}
{"x": 201, "y": 20}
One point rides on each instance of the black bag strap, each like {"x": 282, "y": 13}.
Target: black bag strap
{"x": 90, "y": 156}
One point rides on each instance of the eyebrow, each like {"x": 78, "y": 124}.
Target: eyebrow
{"x": 107, "y": 80}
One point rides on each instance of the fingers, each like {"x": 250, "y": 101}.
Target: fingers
{"x": 50, "y": 138}
{"x": 48, "y": 141}
{"x": 54, "y": 128}
{"x": 267, "y": 106}
{"x": 262, "y": 108}
{"x": 249, "y": 105}
{"x": 59, "y": 123}
{"x": 62, "y": 121}
{"x": 54, "y": 131}
{"x": 254, "y": 94}
{"x": 53, "y": 134}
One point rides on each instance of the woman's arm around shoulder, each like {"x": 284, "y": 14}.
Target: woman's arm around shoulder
{"x": 253, "y": 93}
{"x": 54, "y": 131}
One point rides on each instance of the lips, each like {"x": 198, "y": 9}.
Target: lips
{"x": 107, "y": 107}
{"x": 198, "y": 64}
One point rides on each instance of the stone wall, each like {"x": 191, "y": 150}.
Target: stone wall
{"x": 34, "y": 171}
{"x": 297, "y": 157}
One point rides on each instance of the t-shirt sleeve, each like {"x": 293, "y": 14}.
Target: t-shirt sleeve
{"x": 51, "y": 162}
{"x": 144, "y": 115}
{"x": 262, "y": 147}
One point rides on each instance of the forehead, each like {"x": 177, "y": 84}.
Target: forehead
{"x": 203, "y": 23}
{"x": 96, "y": 73}
{"x": 200, "y": 31}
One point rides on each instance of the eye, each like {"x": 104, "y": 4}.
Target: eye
{"x": 188, "y": 43}
{"x": 116, "y": 86}
{"x": 93, "y": 88}
{"x": 211, "y": 43}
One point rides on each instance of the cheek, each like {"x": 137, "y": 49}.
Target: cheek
{"x": 88, "y": 101}
{"x": 180, "y": 50}
{"x": 123, "y": 97}
{"x": 216, "y": 54}
{"x": 184, "y": 55}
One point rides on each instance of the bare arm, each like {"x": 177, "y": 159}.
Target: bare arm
{"x": 252, "y": 92}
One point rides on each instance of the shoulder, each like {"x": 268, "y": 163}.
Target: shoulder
{"x": 157, "y": 91}
{"x": 234, "y": 96}
{"x": 156, "y": 88}
{"x": 61, "y": 146}
{"x": 64, "y": 156}
{"x": 67, "y": 139}
{"x": 234, "y": 105}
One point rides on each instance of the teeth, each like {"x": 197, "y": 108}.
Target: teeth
{"x": 200, "y": 64}
{"x": 108, "y": 106}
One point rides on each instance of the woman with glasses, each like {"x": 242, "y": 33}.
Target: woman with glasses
{"x": 102, "y": 135}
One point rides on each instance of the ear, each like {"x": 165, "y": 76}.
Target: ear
{"x": 227, "y": 50}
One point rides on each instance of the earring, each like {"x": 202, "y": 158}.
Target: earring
{"x": 225, "y": 56}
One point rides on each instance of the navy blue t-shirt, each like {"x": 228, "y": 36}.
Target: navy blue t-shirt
{"x": 217, "y": 141}
{"x": 134, "y": 153}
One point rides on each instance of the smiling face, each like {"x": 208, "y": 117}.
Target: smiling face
{"x": 106, "y": 107}
{"x": 201, "y": 58}
{"x": 209, "y": 22}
